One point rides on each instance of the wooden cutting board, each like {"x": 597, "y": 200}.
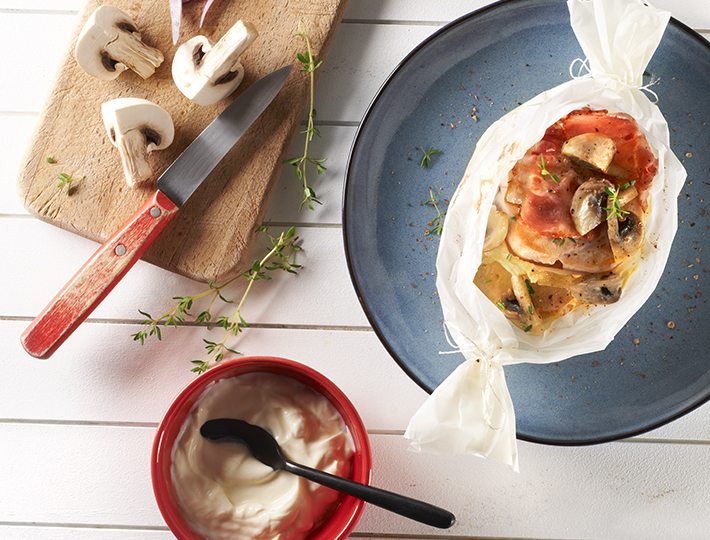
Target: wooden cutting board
{"x": 212, "y": 235}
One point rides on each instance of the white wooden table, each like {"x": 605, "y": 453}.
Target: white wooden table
{"x": 76, "y": 430}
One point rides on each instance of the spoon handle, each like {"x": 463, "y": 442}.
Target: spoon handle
{"x": 399, "y": 504}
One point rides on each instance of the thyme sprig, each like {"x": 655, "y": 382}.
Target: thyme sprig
{"x": 436, "y": 224}
{"x": 309, "y": 65}
{"x": 280, "y": 257}
{"x": 545, "y": 172}
{"x": 66, "y": 180}
{"x": 426, "y": 160}
{"x": 614, "y": 208}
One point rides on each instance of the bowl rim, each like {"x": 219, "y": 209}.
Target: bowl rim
{"x": 343, "y": 520}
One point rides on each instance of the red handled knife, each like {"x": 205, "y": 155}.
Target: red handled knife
{"x": 118, "y": 254}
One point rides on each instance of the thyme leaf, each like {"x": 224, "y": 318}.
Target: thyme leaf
{"x": 545, "y": 172}
{"x": 426, "y": 160}
{"x": 436, "y": 224}
{"x": 66, "y": 180}
{"x": 614, "y": 208}
{"x": 561, "y": 241}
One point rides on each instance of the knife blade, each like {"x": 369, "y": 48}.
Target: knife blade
{"x": 107, "y": 266}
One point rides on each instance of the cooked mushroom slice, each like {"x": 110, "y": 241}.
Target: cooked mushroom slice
{"x": 137, "y": 127}
{"x": 510, "y": 306}
{"x": 496, "y": 229}
{"x": 588, "y": 204}
{"x": 518, "y": 305}
{"x": 625, "y": 235}
{"x": 592, "y": 150}
{"x": 110, "y": 43}
{"x": 598, "y": 290}
{"x": 207, "y": 74}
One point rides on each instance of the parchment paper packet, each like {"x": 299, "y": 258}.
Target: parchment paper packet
{"x": 471, "y": 411}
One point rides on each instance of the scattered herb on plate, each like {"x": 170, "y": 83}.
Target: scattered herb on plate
{"x": 426, "y": 160}
{"x": 436, "y": 224}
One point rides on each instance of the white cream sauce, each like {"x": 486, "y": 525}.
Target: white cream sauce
{"x": 226, "y": 493}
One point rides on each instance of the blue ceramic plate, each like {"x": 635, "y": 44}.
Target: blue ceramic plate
{"x": 444, "y": 95}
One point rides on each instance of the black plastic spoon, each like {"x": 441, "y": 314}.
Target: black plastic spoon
{"x": 264, "y": 447}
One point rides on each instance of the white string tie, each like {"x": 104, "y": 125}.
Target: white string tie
{"x": 584, "y": 65}
{"x": 487, "y": 389}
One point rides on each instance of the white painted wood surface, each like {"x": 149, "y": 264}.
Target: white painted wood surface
{"x": 76, "y": 430}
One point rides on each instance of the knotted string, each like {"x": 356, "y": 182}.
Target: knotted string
{"x": 487, "y": 388}
{"x": 584, "y": 64}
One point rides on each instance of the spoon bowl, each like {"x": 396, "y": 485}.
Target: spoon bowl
{"x": 266, "y": 449}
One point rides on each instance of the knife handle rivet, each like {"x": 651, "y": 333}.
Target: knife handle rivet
{"x": 155, "y": 212}
{"x": 120, "y": 250}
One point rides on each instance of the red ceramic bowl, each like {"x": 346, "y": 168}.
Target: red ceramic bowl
{"x": 340, "y": 523}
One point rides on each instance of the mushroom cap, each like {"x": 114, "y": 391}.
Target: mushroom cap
{"x": 599, "y": 290}
{"x": 100, "y": 29}
{"x": 125, "y": 114}
{"x": 592, "y": 150}
{"x": 207, "y": 73}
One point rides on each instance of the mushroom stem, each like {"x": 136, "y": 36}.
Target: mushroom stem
{"x": 134, "y": 152}
{"x": 223, "y": 58}
{"x": 131, "y": 52}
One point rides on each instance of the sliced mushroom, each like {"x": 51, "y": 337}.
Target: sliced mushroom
{"x": 588, "y": 204}
{"x": 604, "y": 289}
{"x": 592, "y": 150}
{"x": 110, "y": 43}
{"x": 208, "y": 73}
{"x": 496, "y": 229}
{"x": 510, "y": 305}
{"x": 518, "y": 306}
{"x": 137, "y": 127}
{"x": 625, "y": 235}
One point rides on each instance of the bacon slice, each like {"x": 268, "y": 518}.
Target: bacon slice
{"x": 543, "y": 194}
{"x": 579, "y": 255}
{"x": 633, "y": 152}
{"x": 542, "y": 185}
